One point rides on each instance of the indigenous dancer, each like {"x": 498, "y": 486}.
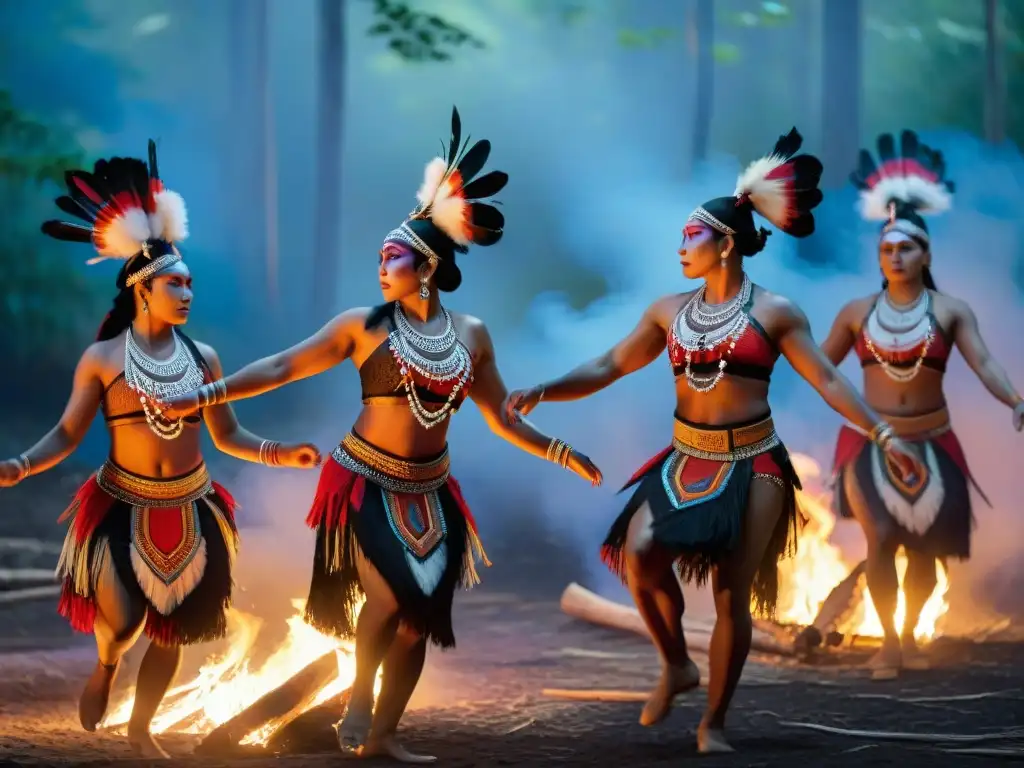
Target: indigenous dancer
{"x": 903, "y": 337}
{"x": 152, "y": 537}
{"x": 391, "y": 522}
{"x": 720, "y": 500}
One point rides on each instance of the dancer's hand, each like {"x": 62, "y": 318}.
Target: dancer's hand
{"x": 10, "y": 473}
{"x": 520, "y": 402}
{"x": 905, "y": 457}
{"x": 178, "y": 407}
{"x": 584, "y": 467}
{"x": 301, "y": 456}
{"x": 1018, "y": 416}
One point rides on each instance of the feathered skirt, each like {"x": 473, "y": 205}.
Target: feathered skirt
{"x": 697, "y": 491}
{"x": 408, "y": 520}
{"x": 929, "y": 512}
{"x": 170, "y": 541}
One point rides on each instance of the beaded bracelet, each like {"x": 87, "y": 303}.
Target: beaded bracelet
{"x": 559, "y": 452}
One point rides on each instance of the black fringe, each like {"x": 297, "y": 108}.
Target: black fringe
{"x": 702, "y": 534}
{"x": 202, "y": 615}
{"x": 333, "y": 595}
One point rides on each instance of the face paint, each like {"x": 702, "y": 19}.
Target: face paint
{"x": 694, "y": 235}
{"x": 895, "y": 236}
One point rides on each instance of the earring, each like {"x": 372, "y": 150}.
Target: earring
{"x": 725, "y": 261}
{"x": 145, "y": 307}
{"x": 424, "y": 289}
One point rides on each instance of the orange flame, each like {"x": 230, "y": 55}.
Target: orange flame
{"x": 818, "y": 566}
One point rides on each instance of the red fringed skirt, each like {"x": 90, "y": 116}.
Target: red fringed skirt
{"x": 408, "y": 520}
{"x": 929, "y": 512}
{"x": 170, "y": 542}
{"x": 697, "y": 491}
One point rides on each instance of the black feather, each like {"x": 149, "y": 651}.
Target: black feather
{"x": 485, "y": 237}
{"x": 153, "y": 170}
{"x": 75, "y": 208}
{"x": 487, "y": 185}
{"x": 471, "y": 162}
{"x": 865, "y": 170}
{"x": 909, "y": 148}
{"x": 453, "y": 146}
{"x": 62, "y": 230}
{"x": 789, "y": 145}
{"x": 486, "y": 216}
{"x": 886, "y": 148}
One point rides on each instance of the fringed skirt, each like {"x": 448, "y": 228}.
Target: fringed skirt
{"x": 697, "y": 491}
{"x": 408, "y": 520}
{"x": 929, "y": 512}
{"x": 170, "y": 542}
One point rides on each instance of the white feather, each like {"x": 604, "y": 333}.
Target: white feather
{"x": 450, "y": 212}
{"x": 768, "y": 196}
{"x": 125, "y": 235}
{"x": 926, "y": 196}
{"x": 433, "y": 175}
{"x": 170, "y": 221}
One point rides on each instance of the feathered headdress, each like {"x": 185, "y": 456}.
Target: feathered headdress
{"x": 782, "y": 187}
{"x": 903, "y": 186}
{"x": 128, "y": 211}
{"x": 451, "y": 215}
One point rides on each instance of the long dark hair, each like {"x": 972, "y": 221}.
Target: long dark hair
{"x": 926, "y": 272}
{"x": 122, "y": 313}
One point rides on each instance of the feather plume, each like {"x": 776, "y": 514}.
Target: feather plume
{"x": 120, "y": 234}
{"x": 433, "y": 175}
{"x": 450, "y": 212}
{"x": 783, "y": 188}
{"x": 913, "y": 176}
{"x": 170, "y": 220}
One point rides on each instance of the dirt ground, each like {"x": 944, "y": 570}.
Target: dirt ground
{"x": 482, "y": 704}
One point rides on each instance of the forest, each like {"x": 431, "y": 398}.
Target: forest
{"x": 265, "y": 109}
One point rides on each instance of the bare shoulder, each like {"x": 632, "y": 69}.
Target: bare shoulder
{"x": 958, "y": 307}
{"x": 664, "y": 310}
{"x": 776, "y": 306}
{"x": 105, "y": 354}
{"x": 470, "y": 327}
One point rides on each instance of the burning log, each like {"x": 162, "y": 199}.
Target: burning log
{"x": 311, "y": 732}
{"x": 279, "y": 706}
{"x": 841, "y": 601}
{"x": 581, "y": 603}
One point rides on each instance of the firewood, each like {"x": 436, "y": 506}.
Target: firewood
{"x": 581, "y": 603}
{"x": 277, "y": 706}
{"x": 311, "y": 732}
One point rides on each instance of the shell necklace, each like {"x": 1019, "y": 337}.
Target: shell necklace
{"x": 897, "y": 328}
{"x": 700, "y": 326}
{"x": 159, "y": 379}
{"x": 442, "y": 358}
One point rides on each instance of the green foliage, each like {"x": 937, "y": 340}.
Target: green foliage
{"x": 417, "y": 36}
{"x": 45, "y": 302}
{"x": 645, "y": 38}
{"x": 768, "y": 14}
{"x": 725, "y": 53}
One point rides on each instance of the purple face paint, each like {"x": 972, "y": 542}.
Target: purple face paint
{"x": 695, "y": 234}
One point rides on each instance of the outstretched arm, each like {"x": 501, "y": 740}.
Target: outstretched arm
{"x": 235, "y": 440}
{"x": 810, "y": 361}
{"x": 840, "y": 339}
{"x": 631, "y": 354}
{"x": 489, "y": 392}
{"x": 972, "y": 346}
{"x": 328, "y": 347}
{"x": 61, "y": 441}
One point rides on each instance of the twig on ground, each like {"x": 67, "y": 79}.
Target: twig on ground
{"x": 954, "y": 738}
{"x": 521, "y": 726}
{"x": 938, "y": 699}
{"x": 586, "y": 694}
{"x": 989, "y": 752}
{"x": 585, "y": 653}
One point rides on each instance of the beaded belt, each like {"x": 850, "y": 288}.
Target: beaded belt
{"x": 154, "y": 492}
{"x": 389, "y": 472}
{"x": 922, "y": 427}
{"x": 725, "y": 443}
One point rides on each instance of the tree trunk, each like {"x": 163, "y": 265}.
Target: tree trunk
{"x": 267, "y": 153}
{"x": 703, "y": 35}
{"x": 995, "y": 83}
{"x": 841, "y": 89}
{"x": 329, "y": 141}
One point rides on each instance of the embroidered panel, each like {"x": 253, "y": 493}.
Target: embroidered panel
{"x": 167, "y": 538}
{"x": 416, "y": 519}
{"x": 914, "y": 501}
{"x": 689, "y": 480}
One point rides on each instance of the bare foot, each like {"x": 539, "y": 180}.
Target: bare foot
{"x": 885, "y": 665}
{"x": 913, "y": 657}
{"x": 711, "y": 741}
{"x": 92, "y": 706}
{"x": 388, "y": 746}
{"x": 354, "y": 728}
{"x": 674, "y": 680}
{"x": 144, "y": 745}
